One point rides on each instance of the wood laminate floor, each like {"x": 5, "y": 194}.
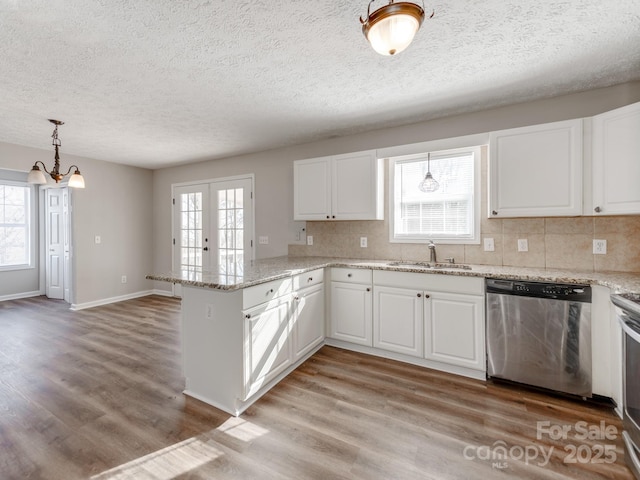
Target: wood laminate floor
{"x": 98, "y": 394}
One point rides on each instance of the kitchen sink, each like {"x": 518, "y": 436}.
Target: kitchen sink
{"x": 434, "y": 266}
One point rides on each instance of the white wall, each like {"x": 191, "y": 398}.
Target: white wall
{"x": 274, "y": 169}
{"x": 117, "y": 204}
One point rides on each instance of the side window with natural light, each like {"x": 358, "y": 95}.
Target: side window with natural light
{"x": 448, "y": 210}
{"x": 15, "y": 226}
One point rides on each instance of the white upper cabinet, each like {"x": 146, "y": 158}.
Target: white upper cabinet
{"x": 341, "y": 187}
{"x": 536, "y": 171}
{"x": 616, "y": 161}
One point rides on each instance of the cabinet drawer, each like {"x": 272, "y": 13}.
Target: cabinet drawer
{"x": 351, "y": 275}
{"x": 265, "y": 292}
{"x": 308, "y": 279}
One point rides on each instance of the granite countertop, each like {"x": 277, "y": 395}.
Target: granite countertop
{"x": 260, "y": 271}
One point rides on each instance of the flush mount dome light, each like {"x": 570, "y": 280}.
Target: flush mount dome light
{"x": 391, "y": 28}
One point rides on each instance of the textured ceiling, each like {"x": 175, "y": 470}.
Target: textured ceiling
{"x": 162, "y": 82}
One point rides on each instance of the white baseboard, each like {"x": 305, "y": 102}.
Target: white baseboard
{"x": 17, "y": 296}
{"x": 162, "y": 293}
{"x": 121, "y": 298}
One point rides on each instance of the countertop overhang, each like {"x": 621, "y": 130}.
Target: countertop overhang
{"x": 256, "y": 272}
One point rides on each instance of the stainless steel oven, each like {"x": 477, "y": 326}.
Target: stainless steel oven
{"x": 629, "y": 318}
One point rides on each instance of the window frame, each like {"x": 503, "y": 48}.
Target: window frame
{"x": 476, "y": 197}
{"x": 31, "y": 226}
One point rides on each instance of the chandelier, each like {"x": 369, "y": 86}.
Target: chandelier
{"x": 37, "y": 177}
{"x": 391, "y": 28}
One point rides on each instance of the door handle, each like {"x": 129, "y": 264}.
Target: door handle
{"x": 206, "y": 249}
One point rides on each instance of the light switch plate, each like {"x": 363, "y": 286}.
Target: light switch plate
{"x": 98, "y": 240}
{"x": 523, "y": 245}
{"x": 363, "y": 242}
{"x": 263, "y": 240}
{"x": 309, "y": 239}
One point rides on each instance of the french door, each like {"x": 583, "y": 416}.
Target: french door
{"x": 57, "y": 244}
{"x": 213, "y": 228}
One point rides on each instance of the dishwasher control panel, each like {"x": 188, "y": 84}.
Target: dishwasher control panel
{"x": 563, "y": 291}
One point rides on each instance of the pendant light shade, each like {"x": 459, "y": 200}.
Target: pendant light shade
{"x": 391, "y": 28}
{"x": 429, "y": 184}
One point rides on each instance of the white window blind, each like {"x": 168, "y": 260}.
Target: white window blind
{"x": 449, "y": 213}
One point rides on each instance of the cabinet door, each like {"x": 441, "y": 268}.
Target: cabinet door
{"x": 312, "y": 189}
{"x": 351, "y": 318}
{"x": 536, "y": 171}
{"x": 616, "y": 161}
{"x": 267, "y": 345}
{"x": 357, "y": 187}
{"x": 307, "y": 330}
{"x": 454, "y": 329}
{"x": 397, "y": 320}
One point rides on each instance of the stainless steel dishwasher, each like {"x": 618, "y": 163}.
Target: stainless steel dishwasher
{"x": 540, "y": 334}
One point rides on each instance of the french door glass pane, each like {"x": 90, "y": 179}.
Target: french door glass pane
{"x": 191, "y": 232}
{"x": 230, "y": 231}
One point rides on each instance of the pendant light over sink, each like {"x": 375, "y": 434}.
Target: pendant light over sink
{"x": 391, "y": 28}
{"x": 37, "y": 177}
{"x": 429, "y": 184}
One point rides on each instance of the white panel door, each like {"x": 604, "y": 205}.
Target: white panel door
{"x": 616, "y": 161}
{"x": 454, "y": 329}
{"x": 536, "y": 171}
{"x": 351, "y": 313}
{"x": 356, "y": 187}
{"x": 397, "y": 320}
{"x": 54, "y": 244}
{"x": 312, "y": 189}
{"x": 308, "y": 320}
{"x": 66, "y": 227}
{"x": 267, "y": 346}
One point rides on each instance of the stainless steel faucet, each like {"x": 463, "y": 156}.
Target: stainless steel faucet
{"x": 432, "y": 251}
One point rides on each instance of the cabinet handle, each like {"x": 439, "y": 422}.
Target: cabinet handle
{"x": 597, "y": 209}
{"x": 426, "y": 296}
{"x": 348, "y": 275}
{"x": 493, "y": 212}
{"x": 248, "y": 315}
{"x": 327, "y": 216}
{"x": 368, "y": 289}
{"x": 333, "y": 216}
{"x": 269, "y": 291}
{"x": 310, "y": 279}
{"x": 419, "y": 295}
{"x": 296, "y": 298}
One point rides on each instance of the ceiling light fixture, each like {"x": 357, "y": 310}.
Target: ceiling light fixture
{"x": 36, "y": 176}
{"x": 391, "y": 28}
{"x": 429, "y": 184}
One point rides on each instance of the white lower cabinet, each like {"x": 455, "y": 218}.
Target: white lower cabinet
{"x": 436, "y": 317}
{"x": 454, "y": 329}
{"x": 351, "y": 306}
{"x": 397, "y": 320}
{"x": 307, "y": 324}
{"x": 268, "y": 348}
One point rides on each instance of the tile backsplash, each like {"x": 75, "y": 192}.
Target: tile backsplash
{"x": 565, "y": 243}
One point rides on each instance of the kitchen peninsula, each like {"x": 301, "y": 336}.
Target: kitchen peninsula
{"x": 241, "y": 334}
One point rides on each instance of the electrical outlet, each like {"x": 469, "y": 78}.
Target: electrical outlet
{"x": 309, "y": 239}
{"x": 97, "y": 239}
{"x": 599, "y": 247}
{"x": 489, "y": 245}
{"x": 124, "y": 279}
{"x": 209, "y": 311}
{"x": 263, "y": 240}
{"x": 523, "y": 245}
{"x": 363, "y": 242}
